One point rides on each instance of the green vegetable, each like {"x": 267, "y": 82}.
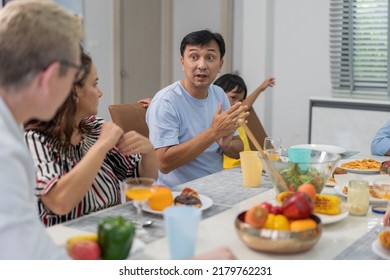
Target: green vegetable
{"x": 295, "y": 176}
{"x": 115, "y": 237}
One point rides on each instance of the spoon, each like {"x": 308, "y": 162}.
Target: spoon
{"x": 147, "y": 223}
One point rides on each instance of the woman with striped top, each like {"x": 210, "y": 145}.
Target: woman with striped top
{"x": 80, "y": 159}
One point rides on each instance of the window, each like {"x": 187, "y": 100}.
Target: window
{"x": 359, "y": 48}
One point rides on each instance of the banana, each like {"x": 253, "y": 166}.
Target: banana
{"x": 323, "y": 203}
{"x": 71, "y": 241}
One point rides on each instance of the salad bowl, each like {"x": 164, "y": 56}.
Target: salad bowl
{"x": 315, "y": 169}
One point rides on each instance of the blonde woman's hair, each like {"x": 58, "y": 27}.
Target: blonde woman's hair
{"x": 34, "y": 34}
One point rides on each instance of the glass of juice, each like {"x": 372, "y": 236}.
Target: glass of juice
{"x": 139, "y": 190}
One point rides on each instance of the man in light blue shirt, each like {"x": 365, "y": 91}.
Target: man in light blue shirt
{"x": 380, "y": 144}
{"x": 191, "y": 123}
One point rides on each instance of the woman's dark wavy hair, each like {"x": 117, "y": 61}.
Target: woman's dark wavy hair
{"x": 202, "y": 38}
{"x": 228, "y": 82}
{"x": 62, "y": 125}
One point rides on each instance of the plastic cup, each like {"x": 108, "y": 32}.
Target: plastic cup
{"x": 251, "y": 168}
{"x": 300, "y": 156}
{"x": 181, "y": 226}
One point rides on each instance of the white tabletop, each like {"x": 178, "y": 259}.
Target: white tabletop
{"x": 219, "y": 230}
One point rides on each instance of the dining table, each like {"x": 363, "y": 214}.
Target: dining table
{"x": 347, "y": 238}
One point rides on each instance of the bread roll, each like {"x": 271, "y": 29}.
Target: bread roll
{"x": 384, "y": 238}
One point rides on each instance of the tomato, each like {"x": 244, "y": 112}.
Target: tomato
{"x": 256, "y": 216}
{"x": 309, "y": 189}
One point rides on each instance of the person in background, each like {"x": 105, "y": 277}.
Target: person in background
{"x": 82, "y": 160}
{"x": 386, "y": 218}
{"x": 40, "y": 58}
{"x": 236, "y": 90}
{"x": 380, "y": 144}
{"x": 191, "y": 123}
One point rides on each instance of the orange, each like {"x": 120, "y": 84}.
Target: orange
{"x": 161, "y": 198}
{"x": 303, "y": 224}
{"x": 256, "y": 216}
{"x": 281, "y": 222}
{"x": 309, "y": 189}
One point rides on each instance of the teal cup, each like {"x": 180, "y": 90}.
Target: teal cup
{"x": 300, "y": 156}
{"x": 181, "y": 227}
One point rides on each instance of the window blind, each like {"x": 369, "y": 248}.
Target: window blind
{"x": 359, "y": 47}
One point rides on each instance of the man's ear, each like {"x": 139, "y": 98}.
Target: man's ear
{"x": 182, "y": 63}
{"x": 46, "y": 77}
{"x": 220, "y": 65}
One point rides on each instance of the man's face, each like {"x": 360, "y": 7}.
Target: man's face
{"x": 201, "y": 64}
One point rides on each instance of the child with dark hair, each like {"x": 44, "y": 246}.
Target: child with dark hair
{"x": 235, "y": 88}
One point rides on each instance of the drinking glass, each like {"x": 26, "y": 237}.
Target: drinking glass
{"x": 139, "y": 190}
{"x": 272, "y": 147}
{"x": 358, "y": 197}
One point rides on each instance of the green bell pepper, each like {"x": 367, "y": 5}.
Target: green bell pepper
{"x": 115, "y": 237}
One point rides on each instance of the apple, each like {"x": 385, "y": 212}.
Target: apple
{"x": 298, "y": 206}
{"x": 84, "y": 250}
{"x": 267, "y": 205}
{"x": 276, "y": 210}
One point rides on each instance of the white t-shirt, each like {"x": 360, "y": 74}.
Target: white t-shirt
{"x": 174, "y": 117}
{"x": 22, "y": 235}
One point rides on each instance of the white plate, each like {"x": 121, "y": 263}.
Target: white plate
{"x": 320, "y": 147}
{"x": 358, "y": 171}
{"x": 379, "y": 250}
{"x": 207, "y": 202}
{"x": 339, "y": 189}
{"x": 329, "y": 219}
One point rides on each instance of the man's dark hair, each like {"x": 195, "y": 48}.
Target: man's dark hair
{"x": 201, "y": 38}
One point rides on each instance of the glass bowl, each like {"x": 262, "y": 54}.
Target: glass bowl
{"x": 316, "y": 170}
{"x": 278, "y": 241}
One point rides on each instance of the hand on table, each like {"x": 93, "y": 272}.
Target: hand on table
{"x": 386, "y": 218}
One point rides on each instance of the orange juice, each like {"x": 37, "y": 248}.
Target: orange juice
{"x": 139, "y": 193}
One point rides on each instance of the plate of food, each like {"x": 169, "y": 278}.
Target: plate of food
{"x": 203, "y": 202}
{"x": 361, "y": 166}
{"x": 331, "y": 182}
{"x": 321, "y": 147}
{"x": 380, "y": 250}
{"x": 343, "y": 190}
{"x": 332, "y": 179}
{"x": 330, "y": 219}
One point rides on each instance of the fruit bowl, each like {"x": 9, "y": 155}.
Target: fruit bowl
{"x": 315, "y": 170}
{"x": 277, "y": 241}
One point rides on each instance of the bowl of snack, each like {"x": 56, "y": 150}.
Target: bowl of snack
{"x": 315, "y": 167}
{"x": 290, "y": 228}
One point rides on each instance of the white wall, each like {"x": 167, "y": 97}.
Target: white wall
{"x": 301, "y": 65}
{"x": 188, "y": 16}
{"x": 287, "y": 39}
{"x": 99, "y": 42}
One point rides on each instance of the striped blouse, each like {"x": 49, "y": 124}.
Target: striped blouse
{"x": 51, "y": 162}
